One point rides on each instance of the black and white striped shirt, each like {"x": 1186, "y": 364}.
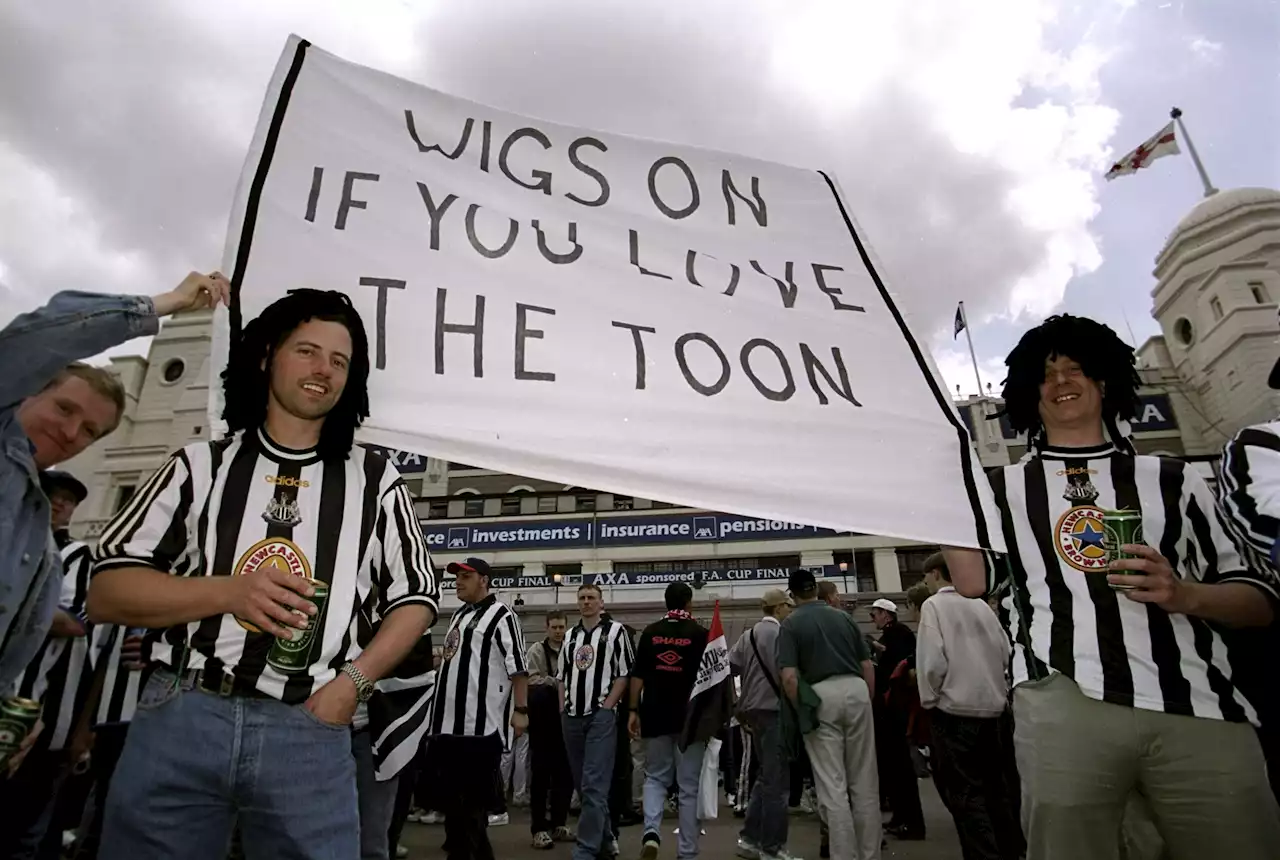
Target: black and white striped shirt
{"x": 1117, "y": 650}
{"x": 483, "y": 650}
{"x": 590, "y": 662}
{"x": 60, "y": 676}
{"x": 242, "y": 503}
{"x": 1249, "y": 490}
{"x": 120, "y": 686}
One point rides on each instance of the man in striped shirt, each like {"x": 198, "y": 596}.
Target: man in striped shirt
{"x": 481, "y": 700}
{"x": 594, "y": 665}
{"x": 221, "y": 549}
{"x": 1119, "y": 690}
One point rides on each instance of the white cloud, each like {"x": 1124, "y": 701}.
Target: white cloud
{"x": 1205, "y": 50}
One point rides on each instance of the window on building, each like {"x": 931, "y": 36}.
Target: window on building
{"x": 173, "y": 370}
{"x": 461, "y": 467}
{"x": 623, "y": 503}
{"x": 438, "y": 510}
{"x": 473, "y": 508}
{"x": 682, "y": 564}
{"x": 1215, "y": 307}
{"x": 415, "y": 486}
{"x": 564, "y": 569}
{"x": 124, "y": 493}
{"x": 510, "y": 506}
{"x": 1259, "y": 292}
{"x": 584, "y": 503}
{"x": 911, "y": 564}
{"x": 547, "y": 504}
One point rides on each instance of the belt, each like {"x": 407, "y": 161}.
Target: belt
{"x": 221, "y": 684}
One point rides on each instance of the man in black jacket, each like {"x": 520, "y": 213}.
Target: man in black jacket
{"x": 897, "y": 774}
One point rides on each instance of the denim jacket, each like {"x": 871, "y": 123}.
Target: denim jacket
{"x": 34, "y": 347}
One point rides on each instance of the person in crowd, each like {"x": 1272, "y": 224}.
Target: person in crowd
{"x": 283, "y": 530}
{"x": 551, "y": 783}
{"x": 52, "y": 407}
{"x": 1121, "y": 678}
{"x": 481, "y": 698}
{"x": 666, "y": 666}
{"x": 821, "y": 648}
{"x": 65, "y": 493}
{"x": 60, "y": 678}
{"x": 594, "y": 665}
{"x": 897, "y": 773}
{"x": 961, "y": 655}
{"x": 754, "y": 658}
{"x": 1249, "y": 492}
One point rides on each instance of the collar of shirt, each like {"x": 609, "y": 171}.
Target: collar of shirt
{"x": 946, "y": 588}
{"x": 1049, "y": 452}
{"x": 275, "y": 451}
{"x": 771, "y": 618}
{"x": 481, "y": 605}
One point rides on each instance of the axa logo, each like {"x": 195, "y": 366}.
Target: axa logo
{"x": 460, "y": 538}
{"x": 704, "y": 528}
{"x": 286, "y": 481}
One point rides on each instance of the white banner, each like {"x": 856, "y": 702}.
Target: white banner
{"x": 608, "y": 312}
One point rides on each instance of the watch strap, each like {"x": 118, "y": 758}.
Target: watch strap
{"x": 364, "y": 687}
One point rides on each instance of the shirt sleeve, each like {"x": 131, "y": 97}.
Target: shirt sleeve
{"x": 861, "y": 651}
{"x": 511, "y": 640}
{"x": 404, "y": 573}
{"x": 1249, "y": 493}
{"x": 154, "y": 528}
{"x": 787, "y": 657}
{"x": 1211, "y": 555}
{"x": 931, "y": 656}
{"x": 624, "y": 658}
{"x": 75, "y": 579}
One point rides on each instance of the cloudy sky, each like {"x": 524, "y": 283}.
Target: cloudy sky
{"x": 970, "y": 135}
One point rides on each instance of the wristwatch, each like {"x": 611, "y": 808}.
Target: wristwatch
{"x": 364, "y": 687}
{"x": 521, "y": 709}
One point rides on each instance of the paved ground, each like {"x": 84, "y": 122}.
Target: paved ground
{"x": 512, "y": 841}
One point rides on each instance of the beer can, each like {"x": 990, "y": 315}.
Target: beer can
{"x": 17, "y": 718}
{"x": 293, "y": 654}
{"x": 1120, "y": 528}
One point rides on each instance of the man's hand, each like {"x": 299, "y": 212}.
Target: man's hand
{"x": 268, "y": 598}
{"x": 15, "y": 761}
{"x": 878, "y": 645}
{"x": 335, "y": 702}
{"x": 1153, "y": 579}
{"x": 633, "y": 724}
{"x": 196, "y": 292}
{"x": 81, "y": 743}
{"x": 519, "y": 723}
{"x": 131, "y": 654}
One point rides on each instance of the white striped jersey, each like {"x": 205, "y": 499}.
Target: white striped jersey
{"x": 1249, "y": 489}
{"x": 60, "y": 676}
{"x": 231, "y": 507}
{"x": 1116, "y": 649}
{"x": 118, "y": 699}
{"x": 483, "y": 650}
{"x": 590, "y": 662}
{"x": 399, "y": 717}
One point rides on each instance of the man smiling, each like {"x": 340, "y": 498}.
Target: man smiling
{"x": 1120, "y": 672}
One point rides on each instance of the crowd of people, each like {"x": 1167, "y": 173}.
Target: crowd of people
{"x": 240, "y": 665}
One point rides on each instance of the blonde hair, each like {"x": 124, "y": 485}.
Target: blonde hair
{"x": 101, "y": 380}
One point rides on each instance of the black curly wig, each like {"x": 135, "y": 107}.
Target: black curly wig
{"x": 1102, "y": 356}
{"x": 246, "y": 380}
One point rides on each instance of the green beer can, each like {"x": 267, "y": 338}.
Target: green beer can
{"x": 17, "y": 718}
{"x": 1120, "y": 528}
{"x": 294, "y": 654}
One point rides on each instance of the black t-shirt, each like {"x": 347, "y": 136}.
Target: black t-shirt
{"x": 667, "y": 660}
{"x": 899, "y": 644}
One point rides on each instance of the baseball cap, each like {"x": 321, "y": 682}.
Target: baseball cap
{"x": 57, "y": 479}
{"x": 470, "y": 565}
{"x": 885, "y": 604}
{"x": 801, "y": 580}
{"x": 774, "y": 597}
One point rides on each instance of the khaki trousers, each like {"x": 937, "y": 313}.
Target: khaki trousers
{"x": 1080, "y": 759}
{"x": 842, "y": 750}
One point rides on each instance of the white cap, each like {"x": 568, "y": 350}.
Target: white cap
{"x": 885, "y": 604}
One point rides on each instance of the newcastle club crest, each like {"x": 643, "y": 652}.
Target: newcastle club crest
{"x": 282, "y": 512}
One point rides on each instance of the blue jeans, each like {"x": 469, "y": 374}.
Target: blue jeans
{"x": 662, "y": 761}
{"x": 766, "y": 823}
{"x": 195, "y": 764}
{"x": 591, "y": 742}
{"x": 377, "y": 800}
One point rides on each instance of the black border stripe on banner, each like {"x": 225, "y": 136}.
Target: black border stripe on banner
{"x": 260, "y": 180}
{"x": 966, "y": 461}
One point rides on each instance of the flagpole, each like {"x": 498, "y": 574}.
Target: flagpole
{"x": 973, "y": 355}
{"x": 1209, "y": 190}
